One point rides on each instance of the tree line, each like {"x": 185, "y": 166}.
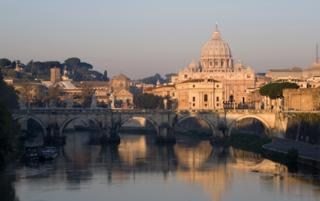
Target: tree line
{"x": 77, "y": 70}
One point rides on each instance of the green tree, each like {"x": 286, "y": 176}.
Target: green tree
{"x": 9, "y": 97}
{"x": 8, "y": 128}
{"x": 148, "y": 101}
{"x": 5, "y": 62}
{"x": 73, "y": 61}
{"x": 274, "y": 90}
{"x": 8, "y": 131}
{"x": 105, "y": 75}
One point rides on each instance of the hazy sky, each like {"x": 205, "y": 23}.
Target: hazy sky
{"x": 142, "y": 37}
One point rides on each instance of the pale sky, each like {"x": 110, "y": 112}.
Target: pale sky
{"x": 143, "y": 37}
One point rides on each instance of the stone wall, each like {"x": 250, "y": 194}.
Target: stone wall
{"x": 302, "y": 99}
{"x": 304, "y": 127}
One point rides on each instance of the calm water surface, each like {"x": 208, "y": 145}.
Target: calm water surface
{"x": 138, "y": 170}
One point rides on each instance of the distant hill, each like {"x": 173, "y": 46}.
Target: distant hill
{"x": 155, "y": 78}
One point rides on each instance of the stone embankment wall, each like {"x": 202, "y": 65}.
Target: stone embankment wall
{"x": 304, "y": 127}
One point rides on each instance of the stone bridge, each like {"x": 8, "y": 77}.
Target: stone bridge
{"x": 54, "y": 121}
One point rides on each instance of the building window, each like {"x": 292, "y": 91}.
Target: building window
{"x": 193, "y": 86}
{"x": 193, "y": 99}
{"x": 231, "y": 98}
{"x": 205, "y": 105}
{"x": 205, "y": 98}
{"x": 217, "y": 98}
{"x": 193, "y": 104}
{"x": 217, "y": 104}
{"x": 185, "y": 76}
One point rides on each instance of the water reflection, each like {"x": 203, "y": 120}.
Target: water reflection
{"x": 201, "y": 165}
{"x": 193, "y": 157}
{"x": 196, "y": 171}
{"x": 133, "y": 149}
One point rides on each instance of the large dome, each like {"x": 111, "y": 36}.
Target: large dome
{"x": 216, "y": 53}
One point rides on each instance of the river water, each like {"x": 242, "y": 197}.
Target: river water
{"x": 138, "y": 170}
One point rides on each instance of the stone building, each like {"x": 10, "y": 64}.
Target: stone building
{"x": 192, "y": 94}
{"x": 199, "y": 94}
{"x": 30, "y": 92}
{"x": 295, "y": 74}
{"x": 120, "y": 82}
{"x": 215, "y": 68}
{"x": 101, "y": 89}
{"x": 55, "y": 74}
{"x": 120, "y": 89}
{"x": 166, "y": 90}
{"x": 302, "y": 99}
{"x": 125, "y": 97}
{"x": 285, "y": 74}
{"x": 216, "y": 62}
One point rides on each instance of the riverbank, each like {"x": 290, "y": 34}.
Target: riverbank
{"x": 248, "y": 142}
{"x": 284, "y": 151}
{"x": 307, "y": 154}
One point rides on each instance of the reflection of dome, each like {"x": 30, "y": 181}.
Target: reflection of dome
{"x": 193, "y": 157}
{"x": 133, "y": 148}
{"x": 214, "y": 181}
{"x": 216, "y": 53}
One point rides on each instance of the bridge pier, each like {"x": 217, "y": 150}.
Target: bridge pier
{"x": 165, "y": 135}
{"x": 111, "y": 135}
{"x": 53, "y": 136}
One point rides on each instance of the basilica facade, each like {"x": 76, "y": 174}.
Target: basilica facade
{"x": 214, "y": 80}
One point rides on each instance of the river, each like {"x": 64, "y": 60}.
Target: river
{"x": 138, "y": 170}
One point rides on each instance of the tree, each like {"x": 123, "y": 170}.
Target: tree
{"x": 9, "y": 97}
{"x": 8, "y": 128}
{"x": 4, "y": 62}
{"x": 105, "y": 75}
{"x": 85, "y": 65}
{"x": 274, "y": 90}
{"x": 73, "y": 61}
{"x": 148, "y": 101}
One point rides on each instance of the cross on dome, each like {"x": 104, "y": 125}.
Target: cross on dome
{"x": 216, "y": 34}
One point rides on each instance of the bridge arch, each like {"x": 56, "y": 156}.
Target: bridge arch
{"x": 260, "y": 119}
{"x": 148, "y": 119}
{"x": 213, "y": 128}
{"x": 27, "y": 117}
{"x": 69, "y": 120}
